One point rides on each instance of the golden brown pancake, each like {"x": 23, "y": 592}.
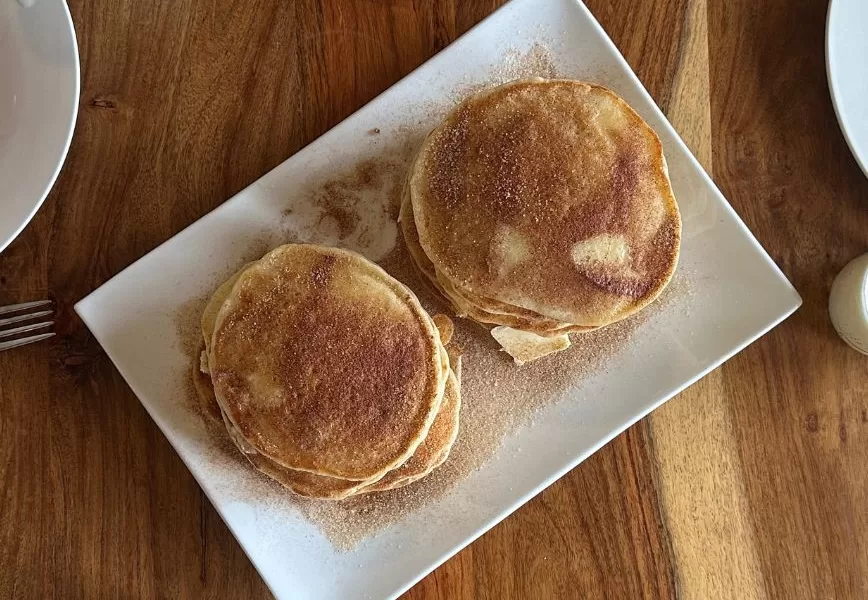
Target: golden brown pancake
{"x": 434, "y": 451}
{"x": 445, "y": 329}
{"x": 324, "y": 363}
{"x": 205, "y": 392}
{"x": 547, "y": 196}
{"x": 430, "y": 454}
{"x": 215, "y": 302}
{"x": 302, "y": 483}
{"x": 482, "y": 310}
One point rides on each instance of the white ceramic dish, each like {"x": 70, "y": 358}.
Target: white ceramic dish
{"x": 39, "y": 89}
{"x": 739, "y": 295}
{"x": 846, "y": 67}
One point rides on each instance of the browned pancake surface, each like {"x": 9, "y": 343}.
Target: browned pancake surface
{"x": 326, "y": 364}
{"x": 482, "y": 310}
{"x": 551, "y": 196}
{"x": 431, "y": 453}
{"x": 434, "y": 451}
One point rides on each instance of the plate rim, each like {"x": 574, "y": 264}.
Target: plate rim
{"x": 73, "y": 119}
{"x": 835, "y": 93}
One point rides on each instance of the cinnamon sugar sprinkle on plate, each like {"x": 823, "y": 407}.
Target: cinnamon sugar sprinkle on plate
{"x": 357, "y": 209}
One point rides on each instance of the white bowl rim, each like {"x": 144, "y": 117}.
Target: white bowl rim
{"x": 835, "y": 93}
{"x": 73, "y": 117}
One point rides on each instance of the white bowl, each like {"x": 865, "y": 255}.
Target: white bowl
{"x": 846, "y": 64}
{"x": 39, "y": 89}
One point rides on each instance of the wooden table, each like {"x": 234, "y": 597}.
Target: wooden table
{"x": 752, "y": 484}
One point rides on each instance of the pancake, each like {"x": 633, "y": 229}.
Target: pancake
{"x": 302, "y": 483}
{"x": 434, "y": 451}
{"x": 324, "y": 363}
{"x": 205, "y": 392}
{"x": 430, "y": 454}
{"x": 209, "y": 315}
{"x": 545, "y": 196}
{"x": 482, "y": 310}
{"x": 445, "y": 329}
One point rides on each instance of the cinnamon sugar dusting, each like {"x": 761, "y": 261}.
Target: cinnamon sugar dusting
{"x": 356, "y": 208}
{"x": 497, "y": 397}
{"x": 339, "y": 198}
{"x": 537, "y": 61}
{"x": 556, "y": 163}
{"x": 187, "y": 325}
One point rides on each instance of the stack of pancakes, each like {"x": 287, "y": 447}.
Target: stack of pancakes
{"x": 328, "y": 374}
{"x": 542, "y": 208}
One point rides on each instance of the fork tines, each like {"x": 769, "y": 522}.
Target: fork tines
{"x": 21, "y": 313}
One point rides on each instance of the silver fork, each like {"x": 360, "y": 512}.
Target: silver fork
{"x": 21, "y": 313}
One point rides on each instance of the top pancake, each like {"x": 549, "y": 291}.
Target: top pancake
{"x": 325, "y": 363}
{"x": 551, "y": 196}
{"x": 482, "y": 310}
{"x": 432, "y": 452}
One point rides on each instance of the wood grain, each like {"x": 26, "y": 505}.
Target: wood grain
{"x": 751, "y": 484}
{"x": 799, "y": 396}
{"x": 701, "y": 482}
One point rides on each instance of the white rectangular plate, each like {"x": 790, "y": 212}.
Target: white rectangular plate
{"x": 738, "y": 295}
